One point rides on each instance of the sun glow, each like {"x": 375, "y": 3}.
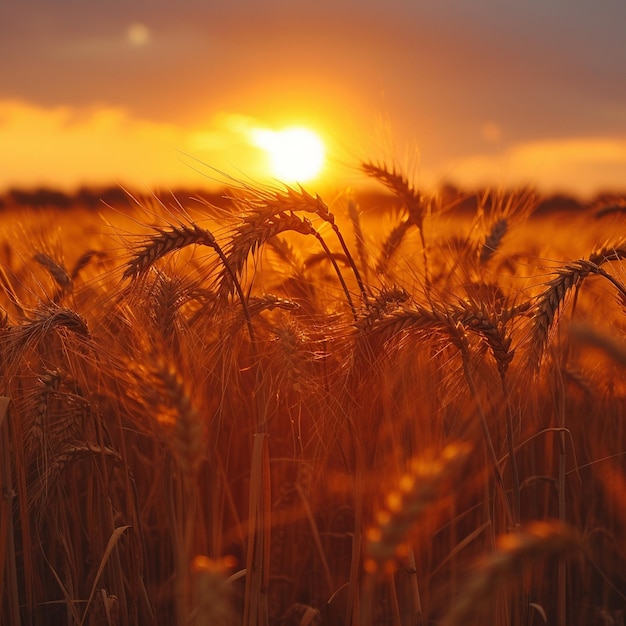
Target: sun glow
{"x": 295, "y": 154}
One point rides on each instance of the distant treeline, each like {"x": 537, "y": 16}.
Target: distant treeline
{"x": 461, "y": 201}
{"x": 92, "y": 197}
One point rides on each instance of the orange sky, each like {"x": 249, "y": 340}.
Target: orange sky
{"x": 152, "y": 94}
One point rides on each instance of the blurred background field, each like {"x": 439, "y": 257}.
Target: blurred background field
{"x": 256, "y": 407}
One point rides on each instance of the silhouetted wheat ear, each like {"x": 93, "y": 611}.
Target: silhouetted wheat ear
{"x": 428, "y": 323}
{"x": 56, "y": 270}
{"x": 608, "y": 253}
{"x": 164, "y": 242}
{"x": 379, "y": 329}
{"x": 493, "y": 239}
{"x": 52, "y": 316}
{"x": 551, "y": 300}
{"x": 392, "y": 243}
{"x": 419, "y": 488}
{"x": 388, "y": 300}
{"x": 398, "y": 184}
{"x": 300, "y": 200}
{"x": 413, "y": 202}
{"x": 293, "y": 199}
{"x": 476, "y": 319}
{"x": 269, "y": 302}
{"x": 40, "y": 490}
{"x": 515, "y": 554}
{"x": 83, "y": 260}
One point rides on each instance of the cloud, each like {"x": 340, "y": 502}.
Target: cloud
{"x": 581, "y": 165}
{"x": 68, "y": 146}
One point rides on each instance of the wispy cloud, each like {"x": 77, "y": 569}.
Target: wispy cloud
{"x": 582, "y": 165}
{"x": 66, "y": 146}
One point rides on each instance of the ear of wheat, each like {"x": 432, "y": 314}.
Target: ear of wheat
{"x": 413, "y": 202}
{"x": 552, "y": 298}
{"x": 515, "y": 555}
{"x": 56, "y": 270}
{"x": 418, "y": 489}
{"x": 493, "y": 239}
{"x": 398, "y": 184}
{"x": 164, "y": 242}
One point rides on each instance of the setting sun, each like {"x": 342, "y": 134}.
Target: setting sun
{"x": 296, "y": 154}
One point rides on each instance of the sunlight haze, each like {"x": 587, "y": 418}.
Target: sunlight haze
{"x": 499, "y": 93}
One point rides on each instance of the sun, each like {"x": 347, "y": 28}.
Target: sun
{"x": 296, "y": 154}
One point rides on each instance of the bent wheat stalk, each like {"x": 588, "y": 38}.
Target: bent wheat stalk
{"x": 299, "y": 199}
{"x": 551, "y": 300}
{"x": 412, "y": 201}
{"x": 258, "y": 228}
{"x": 177, "y": 238}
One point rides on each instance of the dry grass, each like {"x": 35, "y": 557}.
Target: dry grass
{"x": 230, "y": 415}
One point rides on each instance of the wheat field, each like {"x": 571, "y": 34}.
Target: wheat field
{"x": 275, "y": 410}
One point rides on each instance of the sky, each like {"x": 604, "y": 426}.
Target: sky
{"x": 155, "y": 93}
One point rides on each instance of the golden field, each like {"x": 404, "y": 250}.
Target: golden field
{"x": 273, "y": 409}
